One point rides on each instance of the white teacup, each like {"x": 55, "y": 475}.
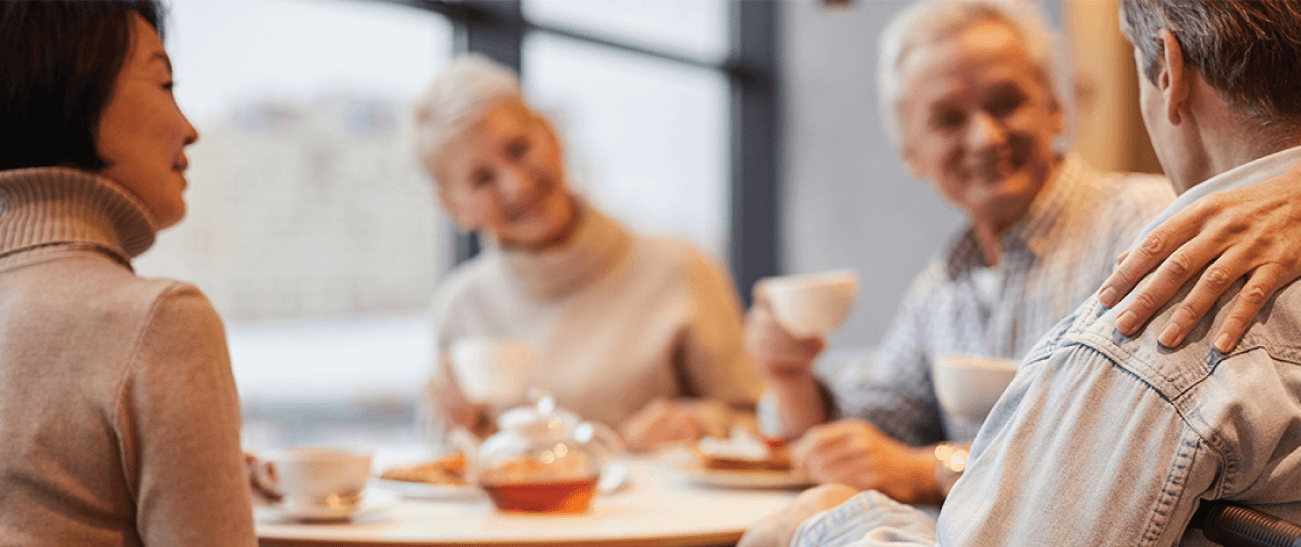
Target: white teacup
{"x": 492, "y": 370}
{"x": 968, "y": 386}
{"x": 812, "y": 304}
{"x": 315, "y": 477}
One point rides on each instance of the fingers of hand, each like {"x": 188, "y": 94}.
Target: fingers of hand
{"x": 1170, "y": 276}
{"x": 1262, "y": 284}
{"x": 1210, "y": 286}
{"x": 775, "y": 349}
{"x": 819, "y": 437}
{"x": 635, "y": 429}
{"x": 659, "y": 422}
{"x": 841, "y": 451}
{"x": 1138, "y": 261}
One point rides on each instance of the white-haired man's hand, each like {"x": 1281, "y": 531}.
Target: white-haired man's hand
{"x": 779, "y": 355}
{"x": 855, "y": 453}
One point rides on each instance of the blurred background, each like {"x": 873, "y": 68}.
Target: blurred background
{"x": 747, "y": 127}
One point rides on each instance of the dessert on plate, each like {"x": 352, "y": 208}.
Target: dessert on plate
{"x": 743, "y": 451}
{"x": 449, "y": 469}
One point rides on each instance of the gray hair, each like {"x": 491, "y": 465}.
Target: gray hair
{"x": 1246, "y": 51}
{"x": 456, "y": 100}
{"x": 930, "y": 21}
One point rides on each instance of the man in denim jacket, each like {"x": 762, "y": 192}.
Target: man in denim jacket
{"x": 1107, "y": 439}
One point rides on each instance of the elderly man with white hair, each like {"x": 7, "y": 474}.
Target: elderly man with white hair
{"x": 967, "y": 89}
{"x": 639, "y": 332}
{"x": 1110, "y": 439}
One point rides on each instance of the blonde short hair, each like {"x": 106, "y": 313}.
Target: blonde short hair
{"x": 458, "y": 98}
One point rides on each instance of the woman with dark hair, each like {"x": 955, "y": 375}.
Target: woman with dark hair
{"x": 119, "y": 422}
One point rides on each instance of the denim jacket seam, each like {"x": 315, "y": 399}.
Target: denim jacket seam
{"x": 1174, "y": 486}
{"x": 1085, "y": 332}
{"x": 1190, "y": 411}
{"x": 1178, "y": 397}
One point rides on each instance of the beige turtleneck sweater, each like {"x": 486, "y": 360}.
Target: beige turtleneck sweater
{"x": 617, "y": 320}
{"x": 119, "y": 422}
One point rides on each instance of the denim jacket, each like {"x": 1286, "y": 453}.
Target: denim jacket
{"x": 1106, "y": 439}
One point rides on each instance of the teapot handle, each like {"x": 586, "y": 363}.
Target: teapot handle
{"x": 603, "y": 437}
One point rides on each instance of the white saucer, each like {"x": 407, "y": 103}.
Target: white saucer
{"x": 373, "y": 501}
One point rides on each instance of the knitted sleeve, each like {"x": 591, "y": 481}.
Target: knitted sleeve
{"x": 178, "y": 428}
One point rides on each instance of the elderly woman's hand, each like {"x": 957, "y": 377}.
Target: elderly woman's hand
{"x": 1253, "y": 231}
{"x": 450, "y": 403}
{"x": 778, "y": 529}
{"x": 855, "y": 453}
{"x": 778, "y": 354}
{"x": 662, "y": 422}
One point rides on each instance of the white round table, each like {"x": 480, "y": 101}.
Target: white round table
{"x": 658, "y": 507}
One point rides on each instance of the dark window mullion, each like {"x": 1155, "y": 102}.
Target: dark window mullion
{"x": 494, "y": 29}
{"x": 755, "y": 189}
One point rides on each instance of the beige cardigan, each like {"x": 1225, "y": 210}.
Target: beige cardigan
{"x": 119, "y": 422}
{"x": 618, "y": 320}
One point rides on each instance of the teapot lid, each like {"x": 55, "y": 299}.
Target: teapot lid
{"x": 540, "y": 419}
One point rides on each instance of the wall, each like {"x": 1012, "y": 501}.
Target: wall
{"x": 849, "y": 201}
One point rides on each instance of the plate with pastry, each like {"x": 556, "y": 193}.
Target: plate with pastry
{"x": 440, "y": 478}
{"x": 743, "y": 460}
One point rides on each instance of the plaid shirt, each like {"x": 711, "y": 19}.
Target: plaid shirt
{"x": 1052, "y": 260}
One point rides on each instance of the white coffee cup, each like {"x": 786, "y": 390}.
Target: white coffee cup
{"x": 329, "y": 477}
{"x": 968, "y": 386}
{"x": 811, "y": 304}
{"x": 492, "y": 370}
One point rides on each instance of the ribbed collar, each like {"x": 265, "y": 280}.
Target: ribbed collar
{"x": 45, "y": 206}
{"x": 1037, "y": 228}
{"x": 597, "y": 245}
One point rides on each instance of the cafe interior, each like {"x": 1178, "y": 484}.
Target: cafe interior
{"x": 333, "y": 260}
{"x": 751, "y": 130}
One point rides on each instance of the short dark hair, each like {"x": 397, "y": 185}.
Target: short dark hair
{"x": 58, "y": 63}
{"x": 1246, "y": 50}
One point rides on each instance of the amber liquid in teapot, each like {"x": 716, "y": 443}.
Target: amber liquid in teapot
{"x": 564, "y": 496}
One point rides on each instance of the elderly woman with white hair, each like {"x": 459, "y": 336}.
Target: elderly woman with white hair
{"x": 967, "y": 89}
{"x": 638, "y": 332}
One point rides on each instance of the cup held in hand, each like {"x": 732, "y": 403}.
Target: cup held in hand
{"x": 812, "y": 304}
{"x": 968, "y": 386}
{"x": 492, "y": 370}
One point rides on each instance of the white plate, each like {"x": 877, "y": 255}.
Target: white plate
{"x": 373, "y": 501}
{"x": 424, "y": 490}
{"x": 745, "y": 479}
{"x": 684, "y": 462}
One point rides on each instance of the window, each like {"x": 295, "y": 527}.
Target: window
{"x": 311, "y": 226}
{"x": 693, "y": 28}
{"x": 646, "y": 138}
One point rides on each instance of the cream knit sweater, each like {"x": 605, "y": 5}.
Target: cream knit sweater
{"x": 119, "y": 422}
{"x": 618, "y": 320}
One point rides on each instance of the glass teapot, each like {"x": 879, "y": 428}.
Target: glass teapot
{"x": 544, "y": 459}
